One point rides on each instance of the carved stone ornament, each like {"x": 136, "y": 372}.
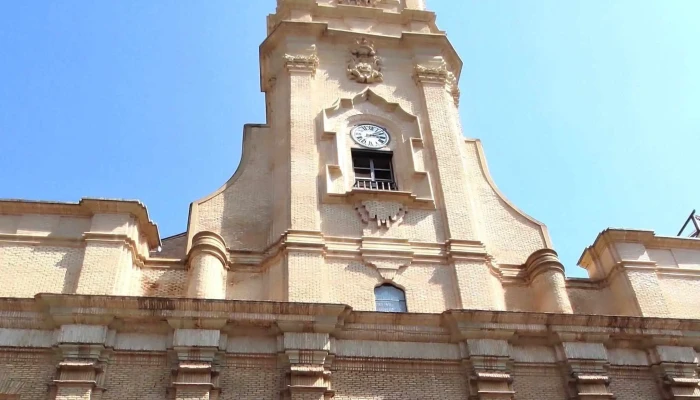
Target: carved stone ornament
{"x": 383, "y": 213}
{"x": 304, "y": 62}
{"x": 364, "y": 65}
{"x": 441, "y": 74}
{"x": 364, "y": 3}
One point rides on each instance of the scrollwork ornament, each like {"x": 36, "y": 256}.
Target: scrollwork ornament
{"x": 364, "y": 65}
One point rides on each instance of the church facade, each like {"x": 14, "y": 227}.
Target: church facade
{"x": 361, "y": 251}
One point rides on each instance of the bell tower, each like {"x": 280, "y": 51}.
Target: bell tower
{"x": 362, "y": 177}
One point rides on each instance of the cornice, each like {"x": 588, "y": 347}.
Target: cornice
{"x": 53, "y": 310}
{"x": 403, "y": 16}
{"x": 87, "y": 207}
{"x": 649, "y": 239}
{"x": 285, "y": 29}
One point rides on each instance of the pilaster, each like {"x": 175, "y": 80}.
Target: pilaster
{"x": 476, "y": 279}
{"x": 300, "y": 63}
{"x": 83, "y": 355}
{"x": 433, "y": 78}
{"x": 307, "y": 277}
{"x": 676, "y": 371}
{"x": 488, "y": 364}
{"x": 196, "y": 372}
{"x": 586, "y": 368}
{"x": 308, "y": 359}
{"x": 108, "y": 257}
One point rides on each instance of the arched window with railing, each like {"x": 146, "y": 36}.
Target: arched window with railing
{"x": 389, "y": 298}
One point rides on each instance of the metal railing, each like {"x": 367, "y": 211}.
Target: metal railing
{"x": 375, "y": 184}
{"x": 693, "y": 223}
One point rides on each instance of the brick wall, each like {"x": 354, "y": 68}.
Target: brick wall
{"x": 163, "y": 282}
{"x": 633, "y": 384}
{"x": 34, "y": 369}
{"x": 538, "y": 383}
{"x": 358, "y": 381}
{"x": 429, "y": 288}
{"x": 592, "y": 301}
{"x": 256, "y": 378}
{"x": 36, "y": 269}
{"x": 137, "y": 377}
{"x": 682, "y": 295}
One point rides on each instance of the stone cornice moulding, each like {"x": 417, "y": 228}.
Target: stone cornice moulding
{"x": 404, "y": 16}
{"x": 139, "y": 259}
{"x": 607, "y": 240}
{"x": 87, "y": 207}
{"x": 542, "y": 261}
{"x": 319, "y": 30}
{"x": 109, "y": 308}
{"x": 209, "y": 243}
{"x": 119, "y": 314}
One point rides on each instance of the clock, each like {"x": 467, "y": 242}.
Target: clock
{"x": 370, "y": 136}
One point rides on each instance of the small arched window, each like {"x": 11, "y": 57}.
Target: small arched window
{"x": 389, "y": 298}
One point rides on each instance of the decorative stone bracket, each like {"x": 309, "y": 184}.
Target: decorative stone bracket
{"x": 308, "y": 358}
{"x": 196, "y": 373}
{"x": 587, "y": 363}
{"x": 388, "y": 256}
{"x": 676, "y": 370}
{"x": 488, "y": 369}
{"x": 383, "y": 213}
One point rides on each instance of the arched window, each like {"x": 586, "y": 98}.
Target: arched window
{"x": 389, "y": 298}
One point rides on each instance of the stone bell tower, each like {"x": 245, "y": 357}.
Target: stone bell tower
{"x": 362, "y": 177}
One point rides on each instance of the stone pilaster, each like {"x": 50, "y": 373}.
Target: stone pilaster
{"x": 586, "y": 367}
{"x": 433, "y": 77}
{"x": 196, "y": 373}
{"x": 488, "y": 369}
{"x": 208, "y": 264}
{"x": 307, "y": 277}
{"x": 109, "y": 256}
{"x": 546, "y": 274}
{"x": 308, "y": 359}
{"x": 300, "y": 63}
{"x": 83, "y": 355}
{"x": 676, "y": 371}
{"x": 474, "y": 276}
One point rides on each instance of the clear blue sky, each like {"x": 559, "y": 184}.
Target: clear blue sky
{"x": 589, "y": 110}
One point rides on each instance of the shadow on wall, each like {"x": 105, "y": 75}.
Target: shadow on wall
{"x": 72, "y": 263}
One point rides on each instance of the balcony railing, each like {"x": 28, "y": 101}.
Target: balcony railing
{"x": 375, "y": 184}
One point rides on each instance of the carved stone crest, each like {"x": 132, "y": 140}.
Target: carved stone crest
{"x": 383, "y": 213}
{"x": 364, "y": 65}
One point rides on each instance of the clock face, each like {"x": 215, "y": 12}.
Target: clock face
{"x": 370, "y": 136}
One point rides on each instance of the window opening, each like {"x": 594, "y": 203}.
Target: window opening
{"x": 373, "y": 170}
{"x": 389, "y": 298}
